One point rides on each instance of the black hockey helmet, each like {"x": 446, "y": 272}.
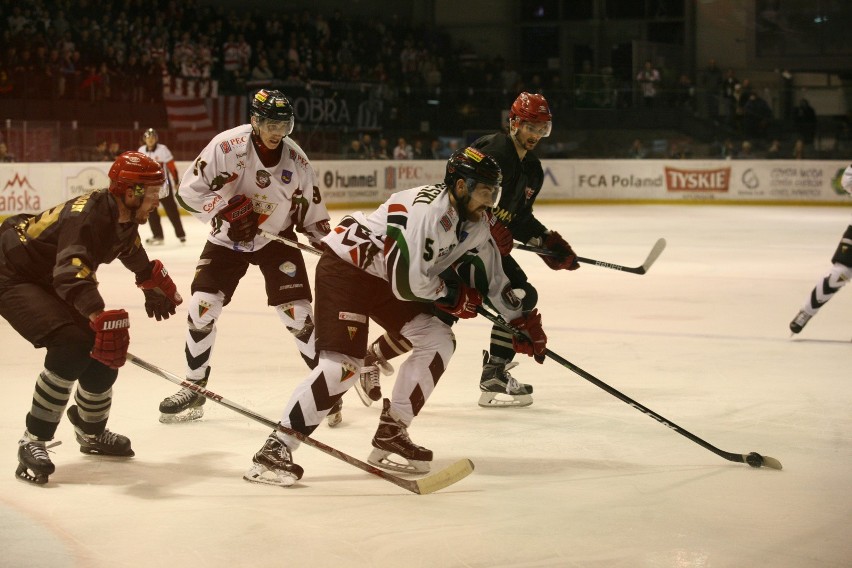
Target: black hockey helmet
{"x": 272, "y": 108}
{"x": 470, "y": 163}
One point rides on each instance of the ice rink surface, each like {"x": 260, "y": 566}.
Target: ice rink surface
{"x": 578, "y": 479}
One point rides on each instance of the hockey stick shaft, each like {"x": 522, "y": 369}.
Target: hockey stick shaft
{"x": 656, "y": 250}
{"x": 290, "y": 242}
{"x": 741, "y": 458}
{"x": 422, "y": 486}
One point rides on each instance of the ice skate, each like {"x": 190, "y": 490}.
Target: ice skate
{"x": 273, "y": 465}
{"x": 104, "y": 444}
{"x": 183, "y": 406}
{"x": 392, "y": 438}
{"x": 499, "y": 388}
{"x": 34, "y": 465}
{"x": 800, "y": 321}
{"x": 367, "y": 386}
{"x": 154, "y": 241}
{"x": 335, "y": 415}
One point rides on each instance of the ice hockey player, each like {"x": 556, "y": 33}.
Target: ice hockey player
{"x": 160, "y": 152}
{"x": 530, "y": 120}
{"x": 252, "y": 176}
{"x": 49, "y": 295}
{"x": 837, "y": 277}
{"x": 395, "y": 266}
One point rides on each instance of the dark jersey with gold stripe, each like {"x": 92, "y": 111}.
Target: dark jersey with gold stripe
{"x": 63, "y": 247}
{"x": 522, "y": 181}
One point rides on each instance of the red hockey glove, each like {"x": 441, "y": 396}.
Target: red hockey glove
{"x": 500, "y": 233}
{"x": 566, "y": 260}
{"x": 161, "y": 295}
{"x": 533, "y": 342}
{"x": 240, "y": 215}
{"x": 112, "y": 338}
{"x": 461, "y": 301}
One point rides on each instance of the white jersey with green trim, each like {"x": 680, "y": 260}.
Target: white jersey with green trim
{"x": 283, "y": 195}
{"x": 415, "y": 236}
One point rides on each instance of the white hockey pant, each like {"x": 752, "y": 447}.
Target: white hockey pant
{"x": 298, "y": 316}
{"x": 204, "y": 311}
{"x": 827, "y": 288}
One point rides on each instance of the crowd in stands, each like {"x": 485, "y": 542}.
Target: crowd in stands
{"x": 94, "y": 50}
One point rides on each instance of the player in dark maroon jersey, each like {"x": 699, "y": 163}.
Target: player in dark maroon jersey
{"x": 49, "y": 295}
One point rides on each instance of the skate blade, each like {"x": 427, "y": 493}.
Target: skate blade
{"x": 379, "y": 458}
{"x": 188, "y": 415}
{"x": 96, "y": 452}
{"x": 362, "y": 394}
{"x": 29, "y": 476}
{"x": 334, "y": 419}
{"x": 503, "y": 400}
{"x": 266, "y": 476}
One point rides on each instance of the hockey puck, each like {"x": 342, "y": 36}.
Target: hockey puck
{"x": 754, "y": 459}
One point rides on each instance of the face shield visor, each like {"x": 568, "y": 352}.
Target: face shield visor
{"x": 274, "y": 127}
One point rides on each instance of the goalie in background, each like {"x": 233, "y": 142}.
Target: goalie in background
{"x": 837, "y": 277}
{"x": 49, "y": 295}
{"x": 530, "y": 120}
{"x": 249, "y": 177}
{"x": 395, "y": 266}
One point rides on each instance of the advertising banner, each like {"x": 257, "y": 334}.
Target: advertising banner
{"x": 32, "y": 187}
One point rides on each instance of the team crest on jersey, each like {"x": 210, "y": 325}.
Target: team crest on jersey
{"x": 286, "y": 176}
{"x": 225, "y": 146}
{"x": 203, "y": 308}
{"x": 347, "y": 372}
{"x": 510, "y": 298}
{"x": 263, "y": 179}
{"x": 288, "y": 268}
{"x": 353, "y": 331}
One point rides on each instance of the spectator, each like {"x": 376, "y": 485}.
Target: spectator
{"x": 799, "y": 150}
{"x": 383, "y": 150}
{"x": 417, "y": 153}
{"x": 434, "y": 149}
{"x": 367, "y": 147}
{"x": 774, "y": 150}
{"x": 5, "y": 156}
{"x": 746, "y": 151}
{"x": 100, "y": 152}
{"x": 7, "y": 88}
{"x": 261, "y": 71}
{"x": 402, "y": 151}
{"x": 649, "y": 79}
{"x": 637, "y": 150}
{"x": 354, "y": 152}
{"x": 805, "y": 119}
{"x": 711, "y": 82}
{"x": 756, "y": 117}
{"x": 114, "y": 150}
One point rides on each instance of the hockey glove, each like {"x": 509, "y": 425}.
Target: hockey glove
{"x": 461, "y": 301}
{"x": 161, "y": 295}
{"x": 240, "y": 215}
{"x": 533, "y": 341}
{"x": 112, "y": 338}
{"x": 500, "y": 233}
{"x": 566, "y": 259}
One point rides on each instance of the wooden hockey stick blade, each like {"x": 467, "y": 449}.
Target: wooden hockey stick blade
{"x": 753, "y": 459}
{"x": 421, "y": 486}
{"x": 289, "y": 242}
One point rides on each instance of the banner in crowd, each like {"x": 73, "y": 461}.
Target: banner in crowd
{"x": 32, "y": 187}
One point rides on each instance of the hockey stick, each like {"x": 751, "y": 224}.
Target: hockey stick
{"x": 656, "y": 251}
{"x": 428, "y": 484}
{"x": 753, "y": 459}
{"x": 289, "y": 242}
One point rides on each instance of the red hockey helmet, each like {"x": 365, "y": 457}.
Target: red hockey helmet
{"x": 533, "y": 108}
{"x": 135, "y": 170}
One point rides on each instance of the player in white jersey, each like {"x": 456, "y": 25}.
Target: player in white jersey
{"x": 837, "y": 277}
{"x": 160, "y": 152}
{"x": 395, "y": 266}
{"x": 252, "y": 176}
